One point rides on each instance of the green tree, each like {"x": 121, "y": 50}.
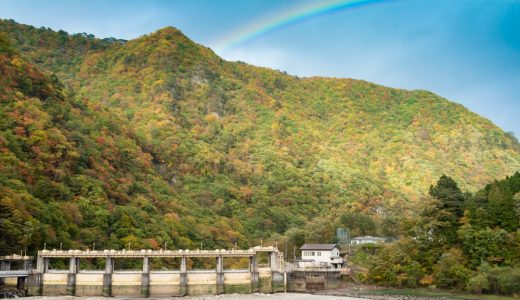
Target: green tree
{"x": 358, "y": 223}
{"x": 451, "y": 203}
{"x": 451, "y": 270}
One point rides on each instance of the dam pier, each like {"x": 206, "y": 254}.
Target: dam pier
{"x": 264, "y": 273}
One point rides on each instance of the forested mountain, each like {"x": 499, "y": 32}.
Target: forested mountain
{"x": 159, "y": 140}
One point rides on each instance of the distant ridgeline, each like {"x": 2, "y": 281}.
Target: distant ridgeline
{"x": 158, "y": 140}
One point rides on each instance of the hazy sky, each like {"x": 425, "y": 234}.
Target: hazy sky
{"x": 466, "y": 51}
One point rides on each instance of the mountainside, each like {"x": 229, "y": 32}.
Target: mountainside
{"x": 161, "y": 137}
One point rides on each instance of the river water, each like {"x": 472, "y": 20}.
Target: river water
{"x": 280, "y": 296}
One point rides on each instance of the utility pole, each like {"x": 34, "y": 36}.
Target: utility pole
{"x": 348, "y": 240}
{"x": 286, "y": 258}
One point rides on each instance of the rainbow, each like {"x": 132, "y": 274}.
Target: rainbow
{"x": 287, "y": 18}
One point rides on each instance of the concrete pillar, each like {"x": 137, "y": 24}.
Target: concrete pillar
{"x": 109, "y": 265}
{"x": 35, "y": 284}
{"x": 45, "y": 265}
{"x": 71, "y": 276}
{"x": 107, "y": 277}
{"x": 183, "y": 264}
{"x": 220, "y": 275}
{"x": 20, "y": 283}
{"x": 5, "y": 265}
{"x": 74, "y": 265}
{"x": 278, "y": 282}
{"x": 27, "y": 264}
{"x": 39, "y": 264}
{"x": 253, "y": 266}
{"x": 255, "y": 277}
{"x": 183, "y": 288}
{"x": 274, "y": 261}
{"x": 146, "y": 265}
{"x": 285, "y": 282}
{"x": 145, "y": 278}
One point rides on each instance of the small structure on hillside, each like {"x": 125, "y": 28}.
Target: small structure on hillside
{"x": 321, "y": 256}
{"x": 361, "y": 240}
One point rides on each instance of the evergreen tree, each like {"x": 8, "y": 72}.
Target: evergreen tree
{"x": 501, "y": 206}
{"x": 451, "y": 203}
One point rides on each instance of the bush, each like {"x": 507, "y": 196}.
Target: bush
{"x": 504, "y": 280}
{"x": 478, "y": 283}
{"x": 450, "y": 271}
{"x": 414, "y": 274}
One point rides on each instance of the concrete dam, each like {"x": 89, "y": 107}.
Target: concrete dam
{"x": 268, "y": 277}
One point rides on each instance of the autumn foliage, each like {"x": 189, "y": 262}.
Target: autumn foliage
{"x": 158, "y": 140}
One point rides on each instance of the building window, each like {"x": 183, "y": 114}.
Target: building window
{"x": 319, "y": 253}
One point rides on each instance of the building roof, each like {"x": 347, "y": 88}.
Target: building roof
{"x": 318, "y": 247}
{"x": 368, "y": 238}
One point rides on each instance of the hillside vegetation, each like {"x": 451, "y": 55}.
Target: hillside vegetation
{"x": 461, "y": 241}
{"x": 158, "y": 140}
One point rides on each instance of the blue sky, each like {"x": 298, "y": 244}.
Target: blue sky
{"x": 466, "y": 51}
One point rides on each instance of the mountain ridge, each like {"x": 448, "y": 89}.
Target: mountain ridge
{"x": 250, "y": 153}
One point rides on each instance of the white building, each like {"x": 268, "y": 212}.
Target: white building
{"x": 360, "y": 240}
{"x": 321, "y": 255}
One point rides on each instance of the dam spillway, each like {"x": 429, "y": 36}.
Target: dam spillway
{"x": 266, "y": 278}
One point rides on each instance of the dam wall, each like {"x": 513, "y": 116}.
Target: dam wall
{"x": 145, "y": 282}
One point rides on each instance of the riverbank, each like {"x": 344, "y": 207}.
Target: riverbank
{"x": 280, "y": 296}
{"x": 381, "y": 293}
{"x": 348, "y": 291}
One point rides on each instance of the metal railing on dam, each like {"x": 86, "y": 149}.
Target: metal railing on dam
{"x": 156, "y": 253}
{"x": 146, "y": 282}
